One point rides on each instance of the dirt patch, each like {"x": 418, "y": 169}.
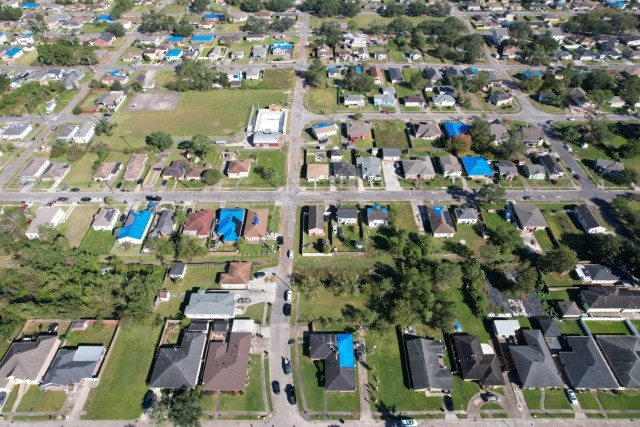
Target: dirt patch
{"x": 153, "y": 102}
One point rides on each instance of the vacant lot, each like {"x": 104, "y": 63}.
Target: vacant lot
{"x": 76, "y": 225}
{"x": 390, "y": 134}
{"x": 123, "y": 383}
{"x": 164, "y": 101}
{"x": 98, "y": 242}
{"x": 607, "y": 327}
{"x": 95, "y": 334}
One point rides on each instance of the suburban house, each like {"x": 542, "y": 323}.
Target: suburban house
{"x": 178, "y": 366}
{"x": 427, "y": 370}
{"x": 579, "y": 97}
{"x": 500, "y": 99}
{"x": 205, "y": 304}
{"x": 450, "y": 166}
{"x": 16, "y": 131}
{"x": 414, "y": 101}
{"x": 551, "y": 166}
{"x": 317, "y": 172}
{"x": 34, "y": 169}
{"x": 178, "y": 270}
{"x": 315, "y": 220}
{"x": 195, "y": 173}
{"x": 84, "y": 133}
{"x": 135, "y": 227}
{"x": 498, "y": 35}
{"x": 354, "y": 101}
{"x": 111, "y": 100}
{"x": 534, "y": 171}
{"x": 584, "y": 366}
{"x": 236, "y": 276}
{"x": 418, "y": 168}
{"x": 230, "y": 224}
{"x": 596, "y": 274}
{"x": 440, "y": 221}
{"x": 44, "y": 217}
{"x": 622, "y": 353}
{"x": 477, "y": 361}
{"x": 55, "y": 172}
{"x": 443, "y": 100}
{"x": 608, "y": 167}
{"x": 107, "y": 171}
{"x": 27, "y": 360}
{"x": 377, "y": 74}
{"x": 533, "y": 361}
{"x": 255, "y": 227}
{"x": 395, "y": 75}
{"x": 343, "y": 170}
{"x": 72, "y": 365}
{"x": 498, "y": 131}
{"x": 105, "y": 219}
{"x": 528, "y": 217}
{"x": 335, "y": 155}
{"x": 506, "y": 169}
{"x": 428, "y": 131}
{"x": 588, "y": 219}
{"x": 476, "y": 167}
{"x": 337, "y": 352}
{"x": 347, "y": 215}
{"x": 66, "y": 132}
{"x": 357, "y": 131}
{"x": 323, "y": 131}
{"x": 384, "y": 100}
{"x": 104, "y": 40}
{"x": 164, "y": 226}
{"x": 392, "y": 154}
{"x": 610, "y": 299}
{"x": 377, "y": 216}
{"x": 433, "y": 76}
{"x": 568, "y": 309}
{"x": 227, "y": 362}
{"x": 370, "y": 168}
{"x": 238, "y": 168}
{"x": 531, "y": 136}
{"x": 466, "y": 215}
{"x": 199, "y": 224}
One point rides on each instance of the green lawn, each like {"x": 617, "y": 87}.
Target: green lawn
{"x": 462, "y": 392}
{"x": 322, "y": 101}
{"x": 570, "y": 327}
{"x": 607, "y": 327}
{"x": 214, "y": 114}
{"x": 170, "y": 309}
{"x": 587, "y": 400}
{"x": 203, "y": 277}
{"x": 324, "y": 304}
{"x": 123, "y": 383}
{"x": 36, "y": 400}
{"x": 390, "y": 134}
{"x": 11, "y": 399}
{"x": 94, "y": 334}
{"x": 622, "y": 400}
{"x": 532, "y": 397}
{"x": 275, "y": 160}
{"x": 344, "y": 402}
{"x": 555, "y": 399}
{"x": 98, "y": 242}
{"x": 383, "y": 356}
{"x": 255, "y": 312}
{"x": 312, "y": 381}
{"x": 470, "y": 323}
{"x": 76, "y": 225}
{"x": 251, "y": 398}
{"x": 544, "y": 240}
{"x": 401, "y": 216}
{"x": 81, "y": 173}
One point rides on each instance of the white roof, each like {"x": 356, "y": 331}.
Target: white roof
{"x": 243, "y": 325}
{"x": 505, "y": 328}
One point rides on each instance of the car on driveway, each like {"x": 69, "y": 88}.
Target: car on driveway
{"x": 290, "y": 253}
{"x": 3, "y": 397}
{"x": 275, "y": 386}
{"x": 578, "y": 177}
{"x": 287, "y": 296}
{"x": 571, "y": 170}
{"x": 448, "y": 403}
{"x": 259, "y": 275}
{"x": 490, "y": 397}
{"x": 148, "y": 400}
{"x": 291, "y": 394}
{"x": 286, "y": 366}
{"x": 286, "y": 309}
{"x": 571, "y": 396}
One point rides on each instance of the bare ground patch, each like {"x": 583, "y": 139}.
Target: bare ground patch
{"x": 154, "y": 102}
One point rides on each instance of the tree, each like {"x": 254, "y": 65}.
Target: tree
{"x": 400, "y": 26}
{"x": 156, "y": 22}
{"x": 629, "y": 90}
{"x": 394, "y": 9}
{"x": 570, "y": 134}
{"x": 136, "y": 87}
{"x": 352, "y": 25}
{"x": 459, "y": 144}
{"x": 281, "y": 25}
{"x": 104, "y": 126}
{"x": 417, "y": 8}
{"x": 211, "y": 177}
{"x": 600, "y": 132}
{"x": 37, "y": 25}
{"x": 471, "y": 47}
{"x": 279, "y": 5}
{"x": 180, "y": 217}
{"x": 626, "y": 177}
{"x": 440, "y": 9}
{"x": 66, "y": 52}
{"x": 526, "y": 279}
{"x": 251, "y": 5}
{"x": 531, "y": 84}
{"x": 417, "y": 81}
{"x": 164, "y": 249}
{"x": 159, "y": 140}
{"x": 513, "y": 148}
{"x": 8, "y": 13}
{"x": 116, "y": 28}
{"x": 201, "y": 145}
{"x": 598, "y": 79}
{"x": 77, "y": 110}
{"x": 316, "y": 74}
{"x": 600, "y": 96}
{"x": 188, "y": 247}
{"x": 116, "y": 85}
{"x": 358, "y": 82}
{"x": 200, "y": 6}
{"x": 184, "y": 28}
{"x": 5, "y": 83}
{"x": 265, "y": 172}
{"x": 521, "y": 32}
{"x": 481, "y": 135}
{"x": 560, "y": 260}
{"x": 601, "y": 21}
{"x": 331, "y": 32}
{"x": 256, "y": 25}
{"x": 193, "y": 75}
{"x": 119, "y": 7}
{"x": 492, "y": 194}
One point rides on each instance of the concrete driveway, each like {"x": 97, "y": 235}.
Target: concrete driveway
{"x": 390, "y": 177}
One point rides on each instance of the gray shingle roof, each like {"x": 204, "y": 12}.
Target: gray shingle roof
{"x": 590, "y": 219}
{"x": 423, "y": 167}
{"x": 529, "y": 216}
{"x": 165, "y": 224}
{"x": 179, "y": 366}
{"x": 70, "y": 365}
{"x": 25, "y": 359}
{"x": 611, "y": 298}
{"x": 322, "y": 346}
{"x": 474, "y": 363}
{"x": 343, "y": 169}
{"x": 424, "y": 358}
{"x": 622, "y": 352}
{"x": 584, "y": 366}
{"x": 534, "y": 363}
{"x": 213, "y": 305}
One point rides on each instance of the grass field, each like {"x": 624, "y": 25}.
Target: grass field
{"x": 312, "y": 384}
{"x": 390, "y": 134}
{"x": 570, "y": 327}
{"x": 587, "y": 400}
{"x": 324, "y": 304}
{"x": 11, "y": 399}
{"x": 203, "y": 277}
{"x": 322, "y": 101}
{"x": 123, "y": 383}
{"x": 95, "y": 334}
{"x": 344, "y": 402}
{"x": 607, "y": 327}
{"x": 36, "y": 400}
{"x": 81, "y": 173}
{"x": 98, "y": 242}
{"x": 209, "y": 113}
{"x": 273, "y": 159}
{"x": 622, "y": 400}
{"x": 532, "y": 397}
{"x": 77, "y": 223}
{"x": 278, "y": 78}
{"x": 555, "y": 399}
{"x": 251, "y": 399}
{"x": 255, "y": 312}
{"x": 462, "y": 392}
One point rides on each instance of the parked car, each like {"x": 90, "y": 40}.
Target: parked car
{"x": 288, "y": 296}
{"x": 291, "y": 394}
{"x": 571, "y": 396}
{"x": 75, "y": 190}
{"x": 148, "y": 400}
{"x": 275, "y": 385}
{"x": 118, "y": 186}
{"x": 578, "y": 177}
{"x": 571, "y": 170}
{"x": 53, "y": 328}
{"x": 154, "y": 198}
{"x": 490, "y": 397}
{"x": 359, "y": 355}
{"x": 408, "y": 422}
{"x": 290, "y": 253}
{"x": 63, "y": 199}
{"x": 286, "y": 366}
{"x": 286, "y": 309}
{"x": 448, "y": 403}
{"x": 3, "y": 397}
{"x": 259, "y": 275}
{"x": 85, "y": 199}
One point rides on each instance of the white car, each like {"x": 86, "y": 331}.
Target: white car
{"x": 287, "y": 296}
{"x": 290, "y": 253}
{"x": 408, "y": 422}
{"x": 571, "y": 396}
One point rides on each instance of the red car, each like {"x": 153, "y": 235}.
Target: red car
{"x": 578, "y": 177}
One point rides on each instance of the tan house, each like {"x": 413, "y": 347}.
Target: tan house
{"x": 238, "y": 168}
{"x": 199, "y": 224}
{"x": 315, "y": 221}
{"x": 107, "y": 171}
{"x": 317, "y": 172}
{"x": 255, "y": 226}
{"x": 237, "y": 275}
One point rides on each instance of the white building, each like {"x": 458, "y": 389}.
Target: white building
{"x": 16, "y": 131}
{"x": 85, "y": 133}
{"x": 48, "y": 217}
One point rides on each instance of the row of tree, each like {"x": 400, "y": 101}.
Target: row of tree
{"x": 154, "y": 21}
{"x": 439, "y": 8}
{"x": 67, "y": 52}
{"x": 263, "y": 26}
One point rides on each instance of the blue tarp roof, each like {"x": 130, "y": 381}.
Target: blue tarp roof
{"x": 323, "y": 125}
{"x": 136, "y": 229}
{"x": 202, "y": 38}
{"x": 174, "y": 39}
{"x": 455, "y": 128}
{"x": 358, "y": 69}
{"x": 13, "y": 51}
{"x": 104, "y": 18}
{"x": 476, "y": 166}
{"x": 346, "y": 358}
{"x": 618, "y": 4}
{"x": 115, "y": 73}
{"x": 29, "y": 5}
{"x": 438, "y": 210}
{"x": 230, "y": 224}
{"x": 529, "y": 74}
{"x": 376, "y": 207}
{"x": 332, "y": 69}
{"x": 174, "y": 52}
{"x": 213, "y": 16}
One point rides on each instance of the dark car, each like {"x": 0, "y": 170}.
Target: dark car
{"x": 64, "y": 187}
{"x": 63, "y": 199}
{"x": 75, "y": 190}
{"x": 3, "y": 397}
{"x": 154, "y": 198}
{"x": 85, "y": 199}
{"x": 286, "y": 366}
{"x": 118, "y": 186}
{"x": 578, "y": 177}
{"x": 291, "y": 394}
{"x": 275, "y": 385}
{"x": 259, "y": 275}
{"x": 149, "y": 399}
{"x": 53, "y": 328}
{"x": 448, "y": 403}
{"x": 359, "y": 355}
{"x": 286, "y": 309}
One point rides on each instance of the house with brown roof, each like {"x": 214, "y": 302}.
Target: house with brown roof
{"x": 255, "y": 227}
{"x": 237, "y": 275}
{"x": 195, "y": 173}
{"x": 199, "y": 224}
{"x": 134, "y": 167}
{"x": 377, "y": 74}
{"x": 317, "y": 171}
{"x": 227, "y": 363}
{"x": 238, "y": 168}
{"x": 315, "y": 221}
{"x": 440, "y": 221}
{"x": 175, "y": 170}
{"x": 107, "y": 171}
